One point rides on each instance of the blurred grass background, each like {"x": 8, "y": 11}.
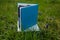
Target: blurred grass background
{"x": 48, "y": 13}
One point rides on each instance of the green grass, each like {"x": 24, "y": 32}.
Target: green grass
{"x": 48, "y": 13}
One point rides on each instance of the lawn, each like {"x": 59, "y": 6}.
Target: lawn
{"x": 48, "y": 13}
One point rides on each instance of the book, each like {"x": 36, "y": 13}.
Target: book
{"x": 27, "y": 15}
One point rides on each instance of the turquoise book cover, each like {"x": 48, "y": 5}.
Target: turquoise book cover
{"x": 27, "y": 14}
